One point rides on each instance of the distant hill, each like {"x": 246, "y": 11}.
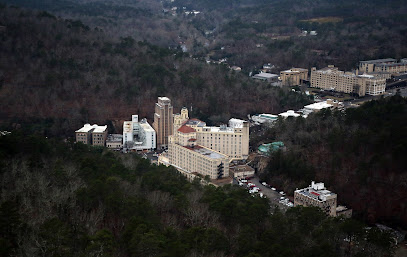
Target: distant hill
{"x": 61, "y": 73}
{"x": 250, "y": 33}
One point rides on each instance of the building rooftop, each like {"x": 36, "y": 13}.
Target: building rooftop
{"x": 391, "y": 64}
{"x": 114, "y": 138}
{"x": 146, "y": 126}
{"x": 265, "y": 75}
{"x": 318, "y": 106}
{"x": 295, "y": 70}
{"x": 195, "y": 122}
{"x": 206, "y": 152}
{"x": 94, "y": 128}
{"x": 379, "y": 60}
{"x": 236, "y": 123}
{"x": 289, "y": 113}
{"x": 100, "y": 129}
{"x": 186, "y": 129}
{"x": 163, "y": 98}
{"x": 316, "y": 191}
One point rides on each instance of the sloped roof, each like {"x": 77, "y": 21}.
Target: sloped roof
{"x": 186, "y": 129}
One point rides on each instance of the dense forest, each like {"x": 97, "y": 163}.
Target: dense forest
{"x": 58, "y": 74}
{"x": 250, "y": 33}
{"x": 359, "y": 153}
{"x": 66, "y": 199}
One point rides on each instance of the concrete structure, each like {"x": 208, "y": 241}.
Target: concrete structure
{"x": 114, "y": 141}
{"x": 330, "y": 78}
{"x": 317, "y": 195}
{"x": 264, "y": 118}
{"x": 293, "y": 76}
{"x": 188, "y": 157}
{"x": 289, "y": 113}
{"x": 138, "y": 135}
{"x": 237, "y": 170}
{"x": 266, "y": 77}
{"x": 163, "y": 121}
{"x": 92, "y": 135}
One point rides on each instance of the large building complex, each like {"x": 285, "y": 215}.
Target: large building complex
{"x": 138, "y": 135}
{"x": 317, "y": 195}
{"x": 188, "y": 157}
{"x": 163, "y": 121}
{"x": 92, "y": 134}
{"x": 232, "y": 140}
{"x": 383, "y": 65}
{"x": 330, "y": 78}
{"x": 197, "y": 148}
{"x": 293, "y": 76}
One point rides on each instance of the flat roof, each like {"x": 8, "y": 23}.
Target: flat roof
{"x": 146, "y": 127}
{"x": 318, "y": 106}
{"x": 206, "y": 152}
{"x": 379, "y": 60}
{"x": 289, "y": 113}
{"x": 391, "y": 64}
{"x": 316, "y": 191}
{"x": 115, "y": 138}
{"x": 265, "y": 75}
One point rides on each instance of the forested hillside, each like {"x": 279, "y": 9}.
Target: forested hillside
{"x": 360, "y": 154}
{"x": 61, "y": 73}
{"x": 250, "y": 33}
{"x": 67, "y": 199}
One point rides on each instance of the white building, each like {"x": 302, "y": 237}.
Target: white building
{"x": 289, "y": 113}
{"x": 265, "y": 118}
{"x": 138, "y": 135}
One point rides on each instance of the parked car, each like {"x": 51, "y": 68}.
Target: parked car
{"x": 274, "y": 189}
{"x": 282, "y": 193}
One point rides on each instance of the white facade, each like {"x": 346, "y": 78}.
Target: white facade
{"x": 138, "y": 135}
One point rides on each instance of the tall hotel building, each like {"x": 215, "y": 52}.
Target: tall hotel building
{"x": 163, "y": 121}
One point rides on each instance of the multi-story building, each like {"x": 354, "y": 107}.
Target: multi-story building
{"x": 114, "y": 141}
{"x": 388, "y": 65}
{"x": 163, "y": 121}
{"x": 317, "y": 195}
{"x": 369, "y": 66}
{"x": 191, "y": 158}
{"x": 330, "y": 78}
{"x": 293, "y": 76}
{"x": 92, "y": 134}
{"x": 232, "y": 140}
{"x": 138, "y": 135}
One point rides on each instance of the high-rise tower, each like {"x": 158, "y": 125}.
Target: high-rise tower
{"x": 163, "y": 121}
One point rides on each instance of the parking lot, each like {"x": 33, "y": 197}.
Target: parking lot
{"x": 271, "y": 195}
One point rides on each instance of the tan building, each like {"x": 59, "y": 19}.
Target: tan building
{"x": 92, "y": 134}
{"x": 293, "y": 76}
{"x": 230, "y": 140}
{"x": 330, "y": 78}
{"x": 163, "y": 121}
{"x": 190, "y": 158}
{"x": 317, "y": 195}
{"x": 369, "y": 66}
